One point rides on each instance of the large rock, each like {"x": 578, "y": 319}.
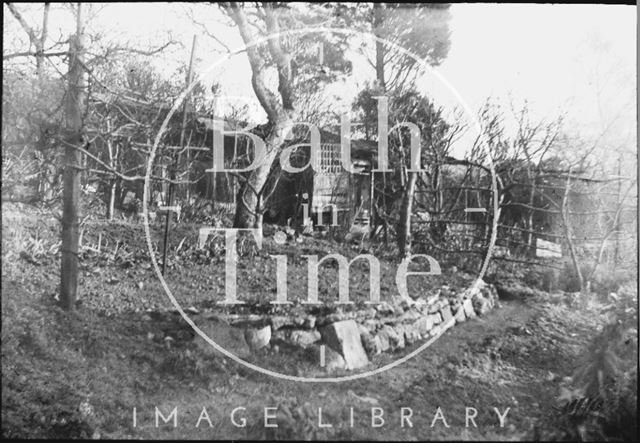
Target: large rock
{"x": 344, "y": 337}
{"x": 223, "y": 334}
{"x": 484, "y": 298}
{"x": 480, "y": 304}
{"x": 304, "y": 338}
{"x": 257, "y": 338}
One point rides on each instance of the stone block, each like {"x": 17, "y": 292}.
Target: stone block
{"x": 436, "y": 318}
{"x": 344, "y": 337}
{"x": 446, "y": 314}
{"x": 257, "y": 338}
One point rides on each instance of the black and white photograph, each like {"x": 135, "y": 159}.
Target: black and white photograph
{"x": 339, "y": 221}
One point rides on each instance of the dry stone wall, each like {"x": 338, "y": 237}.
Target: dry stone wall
{"x": 351, "y": 334}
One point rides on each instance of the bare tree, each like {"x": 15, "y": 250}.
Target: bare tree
{"x": 279, "y": 107}
{"x": 36, "y": 40}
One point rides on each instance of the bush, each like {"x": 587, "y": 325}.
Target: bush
{"x": 609, "y": 372}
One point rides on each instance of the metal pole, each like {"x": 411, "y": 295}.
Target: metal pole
{"x": 617, "y": 227}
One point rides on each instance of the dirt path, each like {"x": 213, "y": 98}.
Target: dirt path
{"x": 480, "y": 364}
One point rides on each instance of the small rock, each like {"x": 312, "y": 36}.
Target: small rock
{"x": 436, "y": 318}
{"x": 140, "y": 285}
{"x": 280, "y": 334}
{"x": 400, "y": 334}
{"x": 446, "y": 314}
{"x": 304, "y": 338}
{"x": 422, "y": 325}
{"x": 445, "y": 292}
{"x": 371, "y": 324}
{"x": 383, "y": 339}
{"x": 402, "y": 302}
{"x": 481, "y": 303}
{"x": 370, "y": 343}
{"x": 395, "y": 340}
{"x": 459, "y": 315}
{"x": 411, "y": 335}
{"x": 309, "y": 322}
{"x": 280, "y": 321}
{"x": 337, "y": 317}
{"x": 385, "y": 308}
{"x": 257, "y": 338}
{"x": 467, "y": 306}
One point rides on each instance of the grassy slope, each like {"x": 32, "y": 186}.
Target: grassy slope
{"x": 53, "y": 360}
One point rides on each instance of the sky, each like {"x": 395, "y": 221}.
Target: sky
{"x": 574, "y": 59}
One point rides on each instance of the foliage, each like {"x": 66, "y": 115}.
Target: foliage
{"x": 421, "y": 29}
{"x": 608, "y": 371}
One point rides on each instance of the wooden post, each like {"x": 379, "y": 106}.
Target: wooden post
{"x": 213, "y": 173}
{"x": 616, "y": 254}
{"x": 372, "y": 225}
{"x": 172, "y": 172}
{"x": 74, "y": 107}
{"x": 184, "y": 114}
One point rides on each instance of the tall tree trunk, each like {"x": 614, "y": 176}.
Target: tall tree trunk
{"x": 377, "y": 31}
{"x": 73, "y": 110}
{"x": 564, "y": 211}
{"x": 404, "y": 228}
{"x": 279, "y": 110}
{"x": 531, "y": 252}
{"x": 42, "y": 40}
{"x": 406, "y": 208}
{"x": 249, "y": 206}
